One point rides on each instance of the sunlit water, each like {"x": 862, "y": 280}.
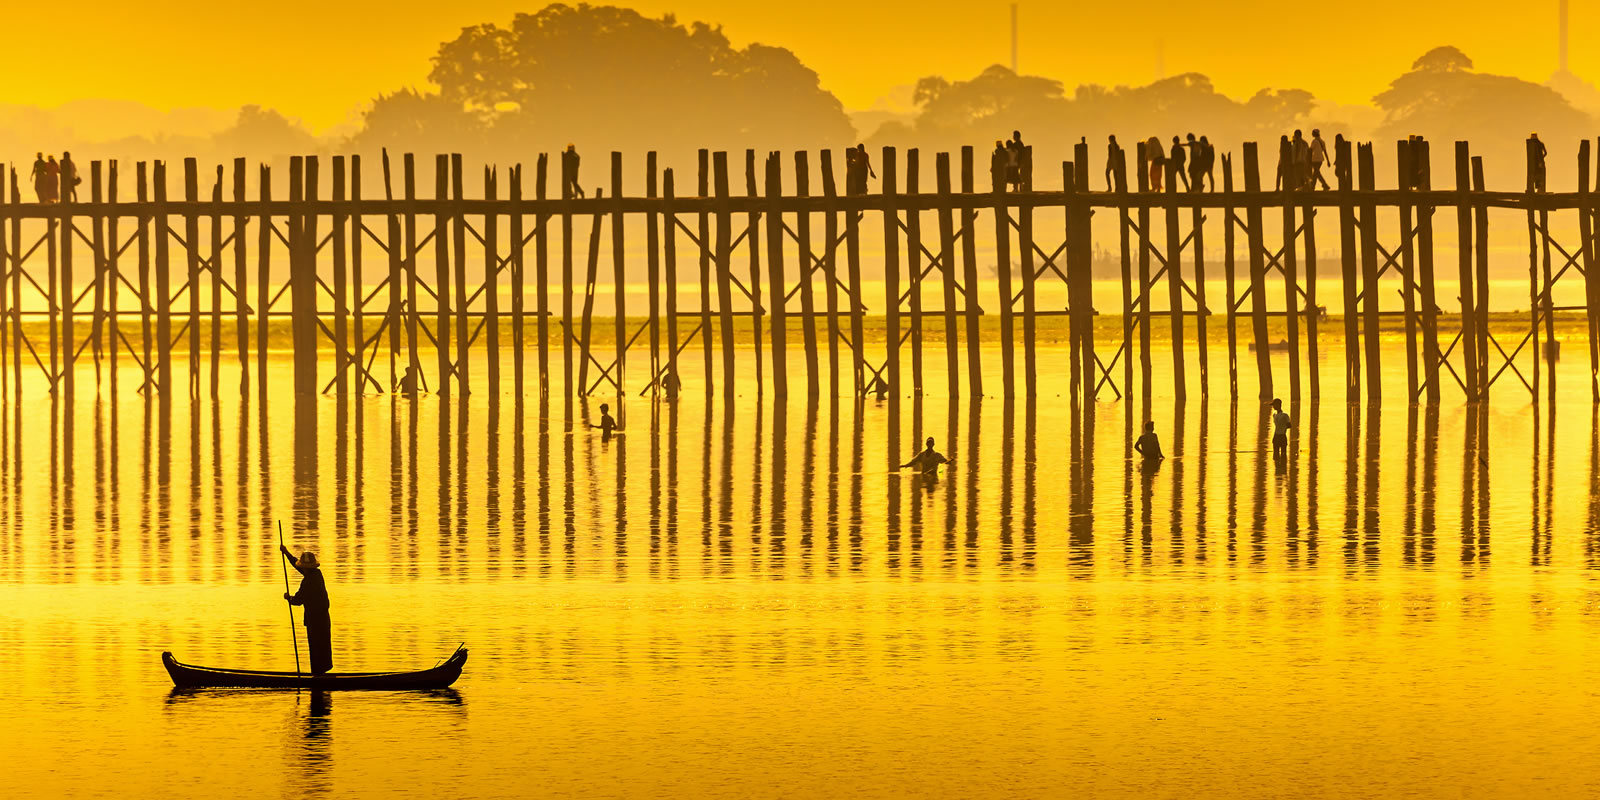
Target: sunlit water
{"x": 747, "y": 601}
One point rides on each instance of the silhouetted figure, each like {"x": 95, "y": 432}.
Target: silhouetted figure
{"x": 43, "y": 187}
{"x": 999, "y": 161}
{"x": 1014, "y": 161}
{"x": 1157, "y": 159}
{"x": 927, "y": 462}
{"x": 1341, "y": 164}
{"x": 607, "y": 425}
{"x": 1179, "y": 172}
{"x": 1283, "y": 179}
{"x": 858, "y": 166}
{"x": 69, "y": 176}
{"x": 1208, "y": 155}
{"x": 569, "y": 168}
{"x": 1536, "y": 154}
{"x": 1319, "y": 154}
{"x": 1299, "y": 159}
{"x": 313, "y": 595}
{"x": 1280, "y": 431}
{"x": 1114, "y": 157}
{"x": 408, "y": 382}
{"x": 670, "y": 384}
{"x": 54, "y": 169}
{"x": 1197, "y": 170}
{"x": 1148, "y": 445}
{"x": 880, "y": 387}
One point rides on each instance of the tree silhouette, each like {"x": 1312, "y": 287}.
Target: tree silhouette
{"x": 609, "y": 78}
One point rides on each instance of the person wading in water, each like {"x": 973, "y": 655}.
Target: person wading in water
{"x": 927, "y": 462}
{"x": 313, "y": 595}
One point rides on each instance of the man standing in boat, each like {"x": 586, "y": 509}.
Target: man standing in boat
{"x": 313, "y": 595}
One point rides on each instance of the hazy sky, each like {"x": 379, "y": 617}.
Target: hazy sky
{"x": 317, "y": 59}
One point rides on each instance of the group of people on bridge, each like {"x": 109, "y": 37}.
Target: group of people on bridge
{"x": 50, "y": 176}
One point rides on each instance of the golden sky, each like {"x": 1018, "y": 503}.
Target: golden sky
{"x": 319, "y": 59}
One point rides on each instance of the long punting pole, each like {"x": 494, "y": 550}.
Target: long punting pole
{"x": 294, "y": 637}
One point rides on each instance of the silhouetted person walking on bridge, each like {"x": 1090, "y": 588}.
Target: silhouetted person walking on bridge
{"x": 313, "y": 595}
{"x": 1148, "y": 445}
{"x": 69, "y": 176}
{"x": 1341, "y": 165}
{"x": 1014, "y": 159}
{"x": 569, "y": 168}
{"x": 927, "y": 462}
{"x": 1114, "y": 158}
{"x": 1157, "y": 159}
{"x": 1536, "y": 154}
{"x": 1280, "y": 431}
{"x": 1319, "y": 154}
{"x": 1179, "y": 172}
{"x": 44, "y": 187}
{"x": 857, "y": 166}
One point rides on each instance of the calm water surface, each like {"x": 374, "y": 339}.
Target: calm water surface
{"x": 748, "y": 602}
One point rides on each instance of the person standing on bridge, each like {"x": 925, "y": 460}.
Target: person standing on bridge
{"x": 1179, "y": 172}
{"x": 1536, "y": 154}
{"x": 1114, "y": 157}
{"x": 43, "y": 186}
{"x": 1208, "y": 159}
{"x": 569, "y": 170}
{"x": 1157, "y": 159}
{"x": 1319, "y": 154}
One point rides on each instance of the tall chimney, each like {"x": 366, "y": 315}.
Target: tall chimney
{"x": 1013, "y": 36}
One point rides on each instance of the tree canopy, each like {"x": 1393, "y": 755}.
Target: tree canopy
{"x": 611, "y": 78}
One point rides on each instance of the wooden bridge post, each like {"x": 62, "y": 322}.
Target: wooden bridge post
{"x": 1591, "y": 288}
{"x": 947, "y": 257}
{"x": 1347, "y": 265}
{"x": 808, "y": 301}
{"x": 724, "y": 263}
{"x": 6, "y": 269}
{"x": 60, "y": 262}
{"x": 358, "y": 330}
{"x": 441, "y": 263}
{"x": 191, "y": 251}
{"x": 1292, "y": 306}
{"x": 704, "y": 191}
{"x": 969, "y": 263}
{"x": 1548, "y": 294}
{"x": 16, "y": 282}
{"x": 1082, "y": 379}
{"x": 830, "y": 232}
{"x": 653, "y": 265}
{"x": 396, "y": 295}
{"x": 541, "y": 272}
{"x": 241, "y": 276}
{"x": 1469, "y": 317}
{"x": 1258, "y": 268}
{"x": 753, "y": 237}
{"x": 413, "y": 314}
{"x": 491, "y": 278}
{"x": 775, "y": 281}
{"x": 519, "y": 282}
{"x": 1423, "y": 160}
{"x": 97, "y": 255}
{"x": 302, "y": 275}
{"x": 1175, "y": 282}
{"x": 1229, "y": 223}
{"x": 341, "y": 290}
{"x": 852, "y": 255}
{"x": 215, "y": 300}
{"x": 463, "y": 296}
{"x": 1002, "y": 256}
{"x": 1143, "y": 296}
{"x": 1119, "y": 174}
{"x": 1481, "y": 280}
{"x": 567, "y": 181}
{"x": 141, "y": 191}
{"x": 1313, "y": 311}
{"x": 590, "y": 278}
{"x": 1405, "y": 181}
{"x": 619, "y": 276}
{"x": 1369, "y": 273}
{"x": 669, "y": 257}
{"x": 1201, "y": 309}
{"x": 163, "y": 270}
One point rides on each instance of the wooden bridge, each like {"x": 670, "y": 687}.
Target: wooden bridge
{"x": 133, "y": 269}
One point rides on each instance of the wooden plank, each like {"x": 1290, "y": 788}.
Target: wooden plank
{"x": 669, "y": 257}
{"x": 703, "y": 190}
{"x": 1405, "y": 180}
{"x": 341, "y": 288}
{"x": 491, "y": 279}
{"x": 241, "y": 277}
{"x": 1258, "y": 268}
{"x": 163, "y": 272}
{"x": 1348, "y": 279}
{"x": 753, "y": 240}
{"x": 775, "y": 280}
{"x": 830, "y": 234}
{"x": 724, "y": 265}
{"x": 1421, "y": 157}
{"x": 947, "y": 262}
{"x": 1175, "y": 284}
{"x": 1469, "y": 317}
{"x": 808, "y": 301}
{"x": 1369, "y": 275}
{"x": 998, "y": 164}
{"x": 913, "y": 269}
{"x": 619, "y": 278}
{"x": 1291, "y": 271}
{"x": 541, "y": 277}
{"x": 969, "y": 273}
{"x": 652, "y": 239}
{"x": 441, "y": 263}
{"x": 463, "y": 295}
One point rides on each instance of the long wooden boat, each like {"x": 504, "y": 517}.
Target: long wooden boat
{"x": 186, "y": 676}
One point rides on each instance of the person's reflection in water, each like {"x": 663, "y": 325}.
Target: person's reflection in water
{"x": 313, "y": 595}
{"x": 927, "y": 463}
{"x": 317, "y": 765}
